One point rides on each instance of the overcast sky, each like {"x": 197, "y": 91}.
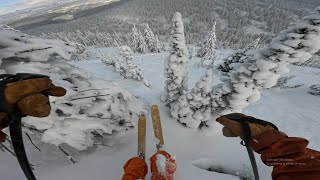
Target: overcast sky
{"x": 13, "y": 5}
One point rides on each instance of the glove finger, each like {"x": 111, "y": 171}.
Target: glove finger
{"x": 55, "y": 91}
{"x": 17, "y": 90}
{"x": 228, "y": 133}
{"x": 36, "y": 105}
{"x": 257, "y": 129}
{"x": 228, "y": 123}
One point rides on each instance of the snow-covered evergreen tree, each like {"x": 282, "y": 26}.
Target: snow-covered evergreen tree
{"x": 134, "y": 37}
{"x": 207, "y": 50}
{"x": 120, "y": 65}
{"x": 176, "y": 64}
{"x": 195, "y": 107}
{"x": 150, "y": 39}
{"x": 254, "y": 44}
{"x": 131, "y": 68}
{"x": 142, "y": 46}
{"x": 238, "y": 56}
{"x": 256, "y": 69}
{"x": 245, "y": 73}
{"x": 157, "y": 44}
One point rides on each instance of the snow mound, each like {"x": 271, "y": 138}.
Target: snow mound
{"x": 90, "y": 107}
{"x": 220, "y": 167}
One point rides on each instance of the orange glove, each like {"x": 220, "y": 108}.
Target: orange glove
{"x": 169, "y": 163}
{"x": 134, "y": 169}
{"x": 29, "y": 97}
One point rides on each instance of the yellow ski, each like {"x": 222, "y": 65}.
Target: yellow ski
{"x": 141, "y": 136}
{"x": 157, "y": 129}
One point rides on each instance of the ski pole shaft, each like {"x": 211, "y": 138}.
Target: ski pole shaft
{"x": 18, "y": 146}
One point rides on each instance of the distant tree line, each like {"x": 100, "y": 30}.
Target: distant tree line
{"x": 238, "y": 22}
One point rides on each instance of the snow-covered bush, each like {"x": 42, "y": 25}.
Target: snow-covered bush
{"x": 195, "y": 107}
{"x": 90, "y": 105}
{"x": 176, "y": 64}
{"x": 207, "y": 50}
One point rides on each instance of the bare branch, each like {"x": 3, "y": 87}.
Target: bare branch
{"x": 69, "y": 157}
{"x": 88, "y": 97}
{"x": 32, "y": 142}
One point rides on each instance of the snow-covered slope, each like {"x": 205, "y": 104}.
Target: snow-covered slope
{"x": 294, "y": 111}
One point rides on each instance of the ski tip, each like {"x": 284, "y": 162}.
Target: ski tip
{"x": 141, "y": 116}
{"x": 154, "y": 108}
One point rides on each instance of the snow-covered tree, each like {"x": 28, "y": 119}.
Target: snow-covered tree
{"x": 142, "y": 46}
{"x": 150, "y": 39}
{"x": 207, "y": 50}
{"x": 120, "y": 65}
{"x": 238, "y": 56}
{"x": 195, "y": 107}
{"x": 131, "y": 67}
{"x": 246, "y": 73}
{"x": 262, "y": 68}
{"x": 176, "y": 64}
{"x": 254, "y": 44}
{"x": 134, "y": 37}
{"x": 157, "y": 45}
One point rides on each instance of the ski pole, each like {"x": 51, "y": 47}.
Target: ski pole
{"x": 15, "y": 121}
